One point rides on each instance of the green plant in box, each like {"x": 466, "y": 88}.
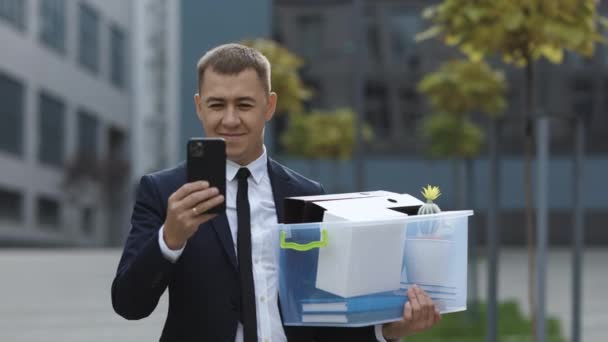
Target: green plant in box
{"x": 430, "y": 194}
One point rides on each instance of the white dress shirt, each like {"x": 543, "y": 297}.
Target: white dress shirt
{"x": 265, "y": 265}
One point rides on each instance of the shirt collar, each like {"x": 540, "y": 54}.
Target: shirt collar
{"x": 256, "y": 167}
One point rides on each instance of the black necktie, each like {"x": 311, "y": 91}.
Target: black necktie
{"x": 248, "y": 315}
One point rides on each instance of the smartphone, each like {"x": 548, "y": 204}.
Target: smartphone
{"x": 207, "y": 161}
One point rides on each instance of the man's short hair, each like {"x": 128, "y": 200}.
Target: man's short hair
{"x": 232, "y": 59}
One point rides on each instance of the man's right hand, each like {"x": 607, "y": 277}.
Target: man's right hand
{"x": 186, "y": 211}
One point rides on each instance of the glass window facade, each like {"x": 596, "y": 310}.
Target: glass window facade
{"x": 11, "y": 112}
{"x": 310, "y": 27}
{"x": 49, "y": 212}
{"x": 51, "y": 130}
{"x": 88, "y": 132}
{"x": 118, "y": 56}
{"x": 13, "y": 12}
{"x": 11, "y": 205}
{"x": 53, "y": 23}
{"x": 88, "y": 46}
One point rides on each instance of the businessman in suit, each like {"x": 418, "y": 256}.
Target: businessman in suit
{"x": 220, "y": 269}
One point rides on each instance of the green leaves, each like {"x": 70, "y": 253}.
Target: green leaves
{"x": 323, "y": 134}
{"x": 285, "y": 79}
{"x": 457, "y": 89}
{"x": 452, "y": 136}
{"x": 520, "y": 31}
{"x": 460, "y": 87}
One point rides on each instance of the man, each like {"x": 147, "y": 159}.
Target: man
{"x": 222, "y": 281}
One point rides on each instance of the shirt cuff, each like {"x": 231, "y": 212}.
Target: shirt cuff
{"x": 378, "y": 331}
{"x": 169, "y": 254}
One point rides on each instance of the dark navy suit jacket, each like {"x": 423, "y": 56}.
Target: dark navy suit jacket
{"x": 203, "y": 284}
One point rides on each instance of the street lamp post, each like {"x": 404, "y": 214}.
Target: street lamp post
{"x": 359, "y": 54}
{"x": 542, "y": 175}
{"x": 492, "y": 243}
{"x": 578, "y": 232}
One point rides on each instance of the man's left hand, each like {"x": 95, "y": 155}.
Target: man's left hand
{"x": 419, "y": 314}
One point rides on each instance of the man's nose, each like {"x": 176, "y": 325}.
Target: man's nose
{"x": 231, "y": 117}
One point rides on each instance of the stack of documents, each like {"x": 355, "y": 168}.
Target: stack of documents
{"x": 379, "y": 307}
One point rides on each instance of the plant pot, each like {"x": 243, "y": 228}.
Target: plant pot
{"x": 426, "y": 261}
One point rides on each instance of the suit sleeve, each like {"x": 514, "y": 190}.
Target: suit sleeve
{"x": 143, "y": 272}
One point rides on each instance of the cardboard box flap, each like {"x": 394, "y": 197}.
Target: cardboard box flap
{"x": 361, "y": 215}
{"x": 303, "y": 209}
{"x": 353, "y": 206}
{"x": 373, "y": 208}
{"x": 330, "y": 197}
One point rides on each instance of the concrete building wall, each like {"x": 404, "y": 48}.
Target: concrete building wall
{"x": 156, "y": 50}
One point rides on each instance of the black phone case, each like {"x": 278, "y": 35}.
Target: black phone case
{"x": 207, "y": 161}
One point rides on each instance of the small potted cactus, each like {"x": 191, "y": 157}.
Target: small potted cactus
{"x": 430, "y": 193}
{"x": 427, "y": 250}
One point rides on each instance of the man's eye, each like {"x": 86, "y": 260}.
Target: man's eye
{"x": 216, "y": 105}
{"x": 245, "y": 106}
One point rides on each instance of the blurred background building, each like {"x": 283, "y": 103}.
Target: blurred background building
{"x": 65, "y": 96}
{"x": 94, "y": 94}
{"x": 156, "y": 71}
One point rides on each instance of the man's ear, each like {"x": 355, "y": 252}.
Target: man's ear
{"x": 272, "y": 106}
{"x": 198, "y": 105}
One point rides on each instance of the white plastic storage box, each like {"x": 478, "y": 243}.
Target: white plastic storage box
{"x": 356, "y": 273}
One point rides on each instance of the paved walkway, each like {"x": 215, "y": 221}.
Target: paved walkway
{"x": 59, "y": 295}
{"x": 64, "y": 295}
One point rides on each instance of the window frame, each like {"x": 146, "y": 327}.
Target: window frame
{"x": 92, "y": 38}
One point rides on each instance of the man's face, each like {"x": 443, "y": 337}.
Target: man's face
{"x": 236, "y": 108}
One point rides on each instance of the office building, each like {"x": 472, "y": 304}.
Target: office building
{"x": 65, "y": 107}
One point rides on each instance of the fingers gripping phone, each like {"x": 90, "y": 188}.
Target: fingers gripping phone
{"x": 206, "y": 161}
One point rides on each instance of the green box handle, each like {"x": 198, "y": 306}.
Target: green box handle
{"x": 307, "y": 246}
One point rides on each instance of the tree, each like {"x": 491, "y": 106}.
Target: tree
{"x": 521, "y": 32}
{"x": 455, "y": 91}
{"x": 323, "y": 134}
{"x": 285, "y": 78}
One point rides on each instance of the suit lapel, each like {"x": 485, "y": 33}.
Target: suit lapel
{"x": 222, "y": 229}
{"x": 281, "y": 186}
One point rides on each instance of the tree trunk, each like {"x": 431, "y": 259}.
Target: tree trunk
{"x": 542, "y": 215}
{"x": 336, "y": 176}
{"x": 359, "y": 61}
{"x": 579, "y": 227}
{"x": 528, "y": 194}
{"x": 472, "y": 274}
{"x": 462, "y": 179}
{"x": 492, "y": 244}
{"x": 459, "y": 180}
